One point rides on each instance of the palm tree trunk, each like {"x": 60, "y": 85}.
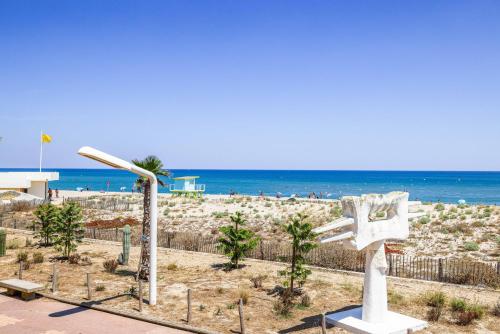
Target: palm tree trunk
{"x": 144, "y": 262}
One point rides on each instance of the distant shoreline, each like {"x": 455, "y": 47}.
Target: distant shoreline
{"x": 448, "y": 187}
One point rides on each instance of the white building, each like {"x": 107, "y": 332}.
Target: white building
{"x": 33, "y": 183}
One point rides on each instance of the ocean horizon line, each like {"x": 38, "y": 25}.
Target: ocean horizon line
{"x": 266, "y": 170}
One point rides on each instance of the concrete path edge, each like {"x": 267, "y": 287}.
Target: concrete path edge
{"x": 128, "y": 314}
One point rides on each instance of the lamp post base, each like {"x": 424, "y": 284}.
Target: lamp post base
{"x": 394, "y": 323}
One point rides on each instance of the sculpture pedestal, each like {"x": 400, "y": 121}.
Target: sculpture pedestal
{"x": 395, "y": 323}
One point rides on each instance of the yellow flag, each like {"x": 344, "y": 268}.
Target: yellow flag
{"x": 46, "y": 138}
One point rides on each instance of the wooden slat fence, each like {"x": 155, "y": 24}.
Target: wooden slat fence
{"x": 331, "y": 256}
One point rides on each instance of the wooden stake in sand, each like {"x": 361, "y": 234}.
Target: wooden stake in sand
{"x": 54, "y": 278}
{"x": 323, "y": 323}
{"x": 20, "y": 270}
{"x": 242, "y": 322}
{"x": 89, "y": 287}
{"x": 140, "y": 295}
{"x": 189, "y": 306}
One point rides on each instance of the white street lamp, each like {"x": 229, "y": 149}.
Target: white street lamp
{"x": 115, "y": 162}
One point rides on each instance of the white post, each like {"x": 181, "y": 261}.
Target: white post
{"x": 153, "y": 239}
{"x": 375, "y": 284}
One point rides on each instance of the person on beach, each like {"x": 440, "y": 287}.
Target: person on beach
{"x": 57, "y": 193}
{"x": 50, "y": 194}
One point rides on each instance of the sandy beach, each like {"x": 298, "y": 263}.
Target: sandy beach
{"x": 447, "y": 230}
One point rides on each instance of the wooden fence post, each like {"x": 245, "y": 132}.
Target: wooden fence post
{"x": 20, "y": 273}
{"x": 140, "y": 295}
{"x": 189, "y": 306}
{"x": 89, "y": 287}
{"x": 242, "y": 320}
{"x": 390, "y": 264}
{"x": 54, "y": 278}
{"x": 440, "y": 270}
{"x": 323, "y": 323}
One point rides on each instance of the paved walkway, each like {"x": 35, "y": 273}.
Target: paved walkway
{"x": 45, "y": 316}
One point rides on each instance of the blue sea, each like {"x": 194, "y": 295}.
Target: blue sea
{"x": 448, "y": 187}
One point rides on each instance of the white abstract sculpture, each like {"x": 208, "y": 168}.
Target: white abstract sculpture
{"x": 359, "y": 232}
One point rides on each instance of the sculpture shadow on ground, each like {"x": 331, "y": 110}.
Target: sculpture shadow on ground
{"x": 313, "y": 321}
{"x": 84, "y": 307}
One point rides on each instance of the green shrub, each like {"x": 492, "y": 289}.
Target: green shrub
{"x": 283, "y": 306}
{"x": 172, "y": 266}
{"x": 48, "y": 216}
{"x": 305, "y": 301}
{"x": 477, "y": 310}
{"x": 436, "y": 299}
{"x": 69, "y": 228}
{"x": 424, "y": 220}
{"x": 15, "y": 244}
{"x": 100, "y": 287}
{"x": 458, "y": 304}
{"x": 236, "y": 241}
{"x": 244, "y": 295}
{"x": 439, "y": 207}
{"x": 469, "y": 314}
{"x": 258, "y": 280}
{"x": 38, "y": 257}
{"x": 471, "y": 246}
{"x": 22, "y": 256}
{"x": 303, "y": 240}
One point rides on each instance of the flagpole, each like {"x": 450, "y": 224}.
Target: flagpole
{"x": 41, "y": 150}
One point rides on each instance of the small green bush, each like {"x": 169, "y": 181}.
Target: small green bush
{"x": 436, "y": 299}
{"x": 22, "y": 256}
{"x": 258, "y": 280}
{"x": 172, "y": 266}
{"x": 13, "y": 244}
{"x": 38, "y": 257}
{"x": 469, "y": 314}
{"x": 471, "y": 246}
{"x": 305, "y": 301}
{"x": 458, "y": 304}
{"x": 424, "y": 220}
{"x": 439, "y": 207}
{"x": 244, "y": 295}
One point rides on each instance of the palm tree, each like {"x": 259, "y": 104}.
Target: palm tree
{"x": 154, "y": 165}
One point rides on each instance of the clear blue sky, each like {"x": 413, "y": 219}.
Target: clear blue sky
{"x": 253, "y": 84}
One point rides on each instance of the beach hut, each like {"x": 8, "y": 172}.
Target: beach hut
{"x": 186, "y": 185}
